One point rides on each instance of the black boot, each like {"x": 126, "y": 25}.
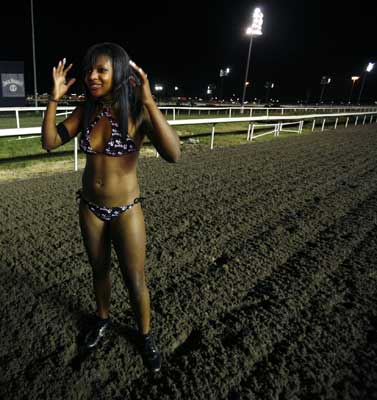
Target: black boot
{"x": 151, "y": 355}
{"x": 98, "y": 329}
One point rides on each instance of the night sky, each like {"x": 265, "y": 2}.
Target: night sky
{"x": 186, "y": 43}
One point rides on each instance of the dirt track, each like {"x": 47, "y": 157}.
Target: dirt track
{"x": 261, "y": 263}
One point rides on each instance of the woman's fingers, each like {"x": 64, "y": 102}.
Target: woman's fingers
{"x": 61, "y": 65}
{"x": 59, "y": 71}
{"x": 69, "y": 67}
{"x": 140, "y": 72}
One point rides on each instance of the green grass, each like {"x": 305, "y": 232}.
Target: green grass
{"x": 28, "y": 119}
{"x": 234, "y": 134}
{"x": 27, "y": 146}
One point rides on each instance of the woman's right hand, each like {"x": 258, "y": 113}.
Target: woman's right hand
{"x": 59, "y": 75}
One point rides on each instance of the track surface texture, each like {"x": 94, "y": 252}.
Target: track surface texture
{"x": 261, "y": 266}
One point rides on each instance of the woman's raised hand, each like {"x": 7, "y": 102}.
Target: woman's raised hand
{"x": 146, "y": 94}
{"x": 59, "y": 76}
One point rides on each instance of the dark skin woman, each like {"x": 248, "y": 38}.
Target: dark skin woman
{"x": 118, "y": 114}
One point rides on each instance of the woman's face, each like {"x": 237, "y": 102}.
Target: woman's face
{"x": 99, "y": 79}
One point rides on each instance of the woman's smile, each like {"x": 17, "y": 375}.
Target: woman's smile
{"x": 99, "y": 79}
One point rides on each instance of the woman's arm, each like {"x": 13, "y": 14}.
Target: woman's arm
{"x": 163, "y": 136}
{"x": 52, "y": 135}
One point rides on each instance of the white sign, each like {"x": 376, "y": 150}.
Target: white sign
{"x": 13, "y": 85}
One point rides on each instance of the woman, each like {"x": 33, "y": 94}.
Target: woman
{"x": 118, "y": 113}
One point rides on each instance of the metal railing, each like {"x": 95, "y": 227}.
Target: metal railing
{"x": 279, "y": 123}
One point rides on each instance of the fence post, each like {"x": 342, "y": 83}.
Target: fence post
{"x": 357, "y": 117}
{"x": 212, "y": 135}
{"x": 323, "y": 124}
{"x": 313, "y": 125}
{"x": 252, "y": 133}
{"x": 336, "y": 123}
{"x": 17, "y": 119}
{"x": 174, "y": 113}
{"x": 301, "y": 126}
{"x": 371, "y": 119}
{"x": 248, "y": 132}
{"x": 348, "y": 118}
{"x": 364, "y": 119}
{"x": 251, "y": 112}
{"x": 230, "y": 112}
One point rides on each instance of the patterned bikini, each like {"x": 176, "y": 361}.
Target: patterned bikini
{"x": 117, "y": 146}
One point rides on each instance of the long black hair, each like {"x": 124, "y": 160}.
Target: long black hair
{"x": 124, "y": 97}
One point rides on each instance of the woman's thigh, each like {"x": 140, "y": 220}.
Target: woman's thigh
{"x": 128, "y": 236}
{"x": 97, "y": 238}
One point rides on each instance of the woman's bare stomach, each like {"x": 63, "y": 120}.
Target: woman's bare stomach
{"x": 110, "y": 186}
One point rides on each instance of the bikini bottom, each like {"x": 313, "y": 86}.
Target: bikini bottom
{"x": 107, "y": 213}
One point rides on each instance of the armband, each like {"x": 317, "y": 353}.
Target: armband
{"x": 63, "y": 133}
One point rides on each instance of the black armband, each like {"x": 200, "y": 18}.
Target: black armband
{"x": 63, "y": 133}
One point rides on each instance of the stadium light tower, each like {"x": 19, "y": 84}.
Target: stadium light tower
{"x": 354, "y": 79}
{"x": 254, "y": 30}
{"x": 325, "y": 80}
{"x": 369, "y": 68}
{"x": 223, "y": 73}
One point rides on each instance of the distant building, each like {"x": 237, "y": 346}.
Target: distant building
{"x": 12, "y": 92}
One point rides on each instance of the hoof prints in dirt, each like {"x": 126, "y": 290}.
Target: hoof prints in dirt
{"x": 260, "y": 265}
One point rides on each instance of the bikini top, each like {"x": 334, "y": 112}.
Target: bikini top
{"x": 116, "y": 146}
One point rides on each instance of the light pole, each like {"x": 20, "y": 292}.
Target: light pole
{"x": 325, "y": 80}
{"x": 223, "y": 72}
{"x": 369, "y": 68}
{"x": 354, "y": 79}
{"x": 254, "y": 30}
{"x": 34, "y": 63}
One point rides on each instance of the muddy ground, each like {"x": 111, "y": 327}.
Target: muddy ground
{"x": 261, "y": 265}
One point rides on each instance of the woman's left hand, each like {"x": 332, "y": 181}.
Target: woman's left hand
{"x": 146, "y": 94}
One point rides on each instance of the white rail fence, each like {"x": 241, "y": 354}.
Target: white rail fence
{"x": 282, "y": 123}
